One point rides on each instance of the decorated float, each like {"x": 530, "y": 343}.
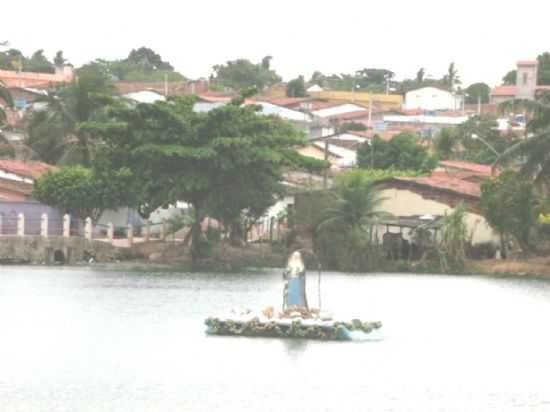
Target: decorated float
{"x": 296, "y": 319}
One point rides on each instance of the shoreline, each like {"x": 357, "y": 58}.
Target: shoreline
{"x": 472, "y": 268}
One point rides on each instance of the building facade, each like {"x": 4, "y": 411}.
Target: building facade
{"x": 432, "y": 99}
{"x": 526, "y": 86}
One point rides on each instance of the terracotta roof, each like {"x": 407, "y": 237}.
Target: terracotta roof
{"x": 285, "y": 101}
{"x": 527, "y": 63}
{"x": 14, "y": 191}
{"x": 504, "y": 91}
{"x": 444, "y": 183}
{"x": 318, "y": 105}
{"x": 350, "y": 115}
{"x": 467, "y": 166}
{"x": 32, "y": 170}
{"x": 215, "y": 97}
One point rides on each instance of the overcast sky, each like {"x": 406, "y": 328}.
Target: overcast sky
{"x": 484, "y": 38}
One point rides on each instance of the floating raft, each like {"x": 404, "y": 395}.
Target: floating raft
{"x": 296, "y": 328}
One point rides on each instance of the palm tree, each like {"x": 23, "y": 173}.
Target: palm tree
{"x": 420, "y": 74}
{"x": 356, "y": 206}
{"x": 533, "y": 151}
{"x": 55, "y": 133}
{"x": 451, "y": 78}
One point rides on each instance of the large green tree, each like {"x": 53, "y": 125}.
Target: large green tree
{"x": 83, "y": 192}
{"x": 478, "y": 92}
{"x": 445, "y": 143}
{"x": 223, "y": 162}
{"x": 59, "y": 59}
{"x": 403, "y": 152}
{"x": 54, "y": 133}
{"x": 242, "y": 74}
{"x": 142, "y": 64}
{"x": 509, "y": 78}
{"x": 296, "y": 87}
{"x": 14, "y": 59}
{"x": 39, "y": 63}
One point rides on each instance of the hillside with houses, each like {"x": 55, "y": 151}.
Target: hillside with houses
{"x": 243, "y": 157}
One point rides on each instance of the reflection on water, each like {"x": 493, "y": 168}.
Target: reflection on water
{"x": 77, "y": 339}
{"x": 294, "y": 348}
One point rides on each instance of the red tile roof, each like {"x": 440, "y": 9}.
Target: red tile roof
{"x": 31, "y": 170}
{"x": 444, "y": 183}
{"x": 527, "y": 63}
{"x": 504, "y": 91}
{"x": 215, "y": 97}
{"x": 14, "y": 191}
{"x": 467, "y": 166}
{"x": 358, "y": 114}
{"x": 319, "y": 105}
{"x": 285, "y": 101}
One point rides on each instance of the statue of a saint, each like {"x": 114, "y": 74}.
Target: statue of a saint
{"x": 295, "y": 285}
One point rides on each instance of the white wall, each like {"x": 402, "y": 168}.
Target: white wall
{"x": 12, "y": 176}
{"x": 348, "y": 157}
{"x": 400, "y": 202}
{"x": 335, "y": 110}
{"x": 432, "y": 98}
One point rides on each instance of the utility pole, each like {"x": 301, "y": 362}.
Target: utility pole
{"x": 479, "y": 104}
{"x": 325, "y": 175}
{"x": 370, "y": 110}
{"x": 165, "y": 84}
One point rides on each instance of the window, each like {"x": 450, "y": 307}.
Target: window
{"x": 525, "y": 78}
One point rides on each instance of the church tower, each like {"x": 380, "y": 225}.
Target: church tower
{"x": 526, "y": 80}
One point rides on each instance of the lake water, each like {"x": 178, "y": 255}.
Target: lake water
{"x": 81, "y": 339}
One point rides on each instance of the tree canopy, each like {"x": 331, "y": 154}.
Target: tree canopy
{"x": 242, "y": 74}
{"x": 367, "y": 79}
{"x": 403, "y": 152}
{"x": 54, "y": 133}
{"x": 224, "y": 163}
{"x": 81, "y": 191}
{"x": 509, "y": 78}
{"x": 533, "y": 152}
{"x": 14, "y": 59}
{"x": 142, "y": 64}
{"x": 477, "y": 91}
{"x": 459, "y": 143}
{"x": 508, "y": 202}
{"x": 296, "y": 87}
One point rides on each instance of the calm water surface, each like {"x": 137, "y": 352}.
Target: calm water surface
{"x": 80, "y": 339}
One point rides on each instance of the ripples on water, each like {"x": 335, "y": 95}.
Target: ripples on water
{"x": 89, "y": 340}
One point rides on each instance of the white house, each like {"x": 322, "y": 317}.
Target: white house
{"x": 432, "y": 98}
{"x": 344, "y": 150}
